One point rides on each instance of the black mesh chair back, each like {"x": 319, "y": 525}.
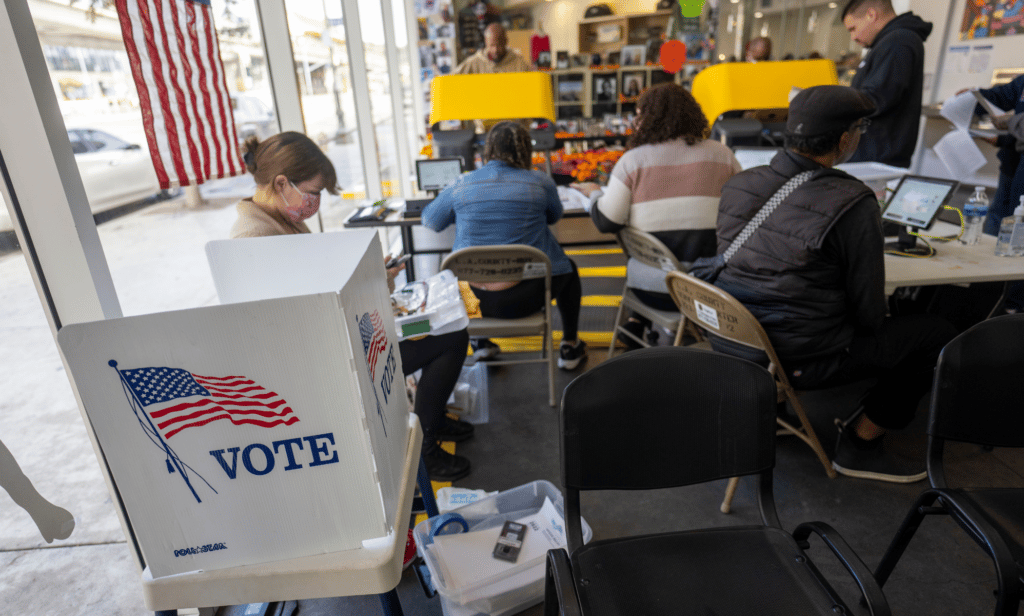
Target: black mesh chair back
{"x": 978, "y": 394}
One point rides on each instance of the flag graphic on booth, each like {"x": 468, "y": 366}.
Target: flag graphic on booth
{"x": 167, "y": 401}
{"x": 375, "y": 342}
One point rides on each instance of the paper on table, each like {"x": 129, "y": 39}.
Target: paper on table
{"x": 466, "y": 557}
{"x": 960, "y": 154}
{"x": 959, "y": 109}
{"x": 573, "y": 199}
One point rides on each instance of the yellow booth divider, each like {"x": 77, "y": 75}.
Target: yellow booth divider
{"x": 739, "y": 86}
{"x": 497, "y": 96}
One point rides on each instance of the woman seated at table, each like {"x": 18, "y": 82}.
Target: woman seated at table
{"x": 506, "y": 202}
{"x": 668, "y": 184}
{"x": 290, "y": 172}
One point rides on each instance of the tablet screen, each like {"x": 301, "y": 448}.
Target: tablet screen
{"x": 438, "y": 173}
{"x": 918, "y": 200}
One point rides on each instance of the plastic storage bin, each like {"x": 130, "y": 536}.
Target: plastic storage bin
{"x": 514, "y": 589}
{"x": 444, "y": 312}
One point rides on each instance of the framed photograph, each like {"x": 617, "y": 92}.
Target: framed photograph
{"x": 605, "y": 88}
{"x": 614, "y": 58}
{"x": 570, "y": 91}
{"x": 633, "y": 83}
{"x": 581, "y": 60}
{"x": 562, "y": 59}
{"x": 544, "y": 59}
{"x": 634, "y": 55}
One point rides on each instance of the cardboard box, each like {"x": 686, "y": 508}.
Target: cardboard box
{"x": 257, "y": 431}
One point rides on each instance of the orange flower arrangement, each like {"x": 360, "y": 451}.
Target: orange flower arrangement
{"x": 591, "y": 165}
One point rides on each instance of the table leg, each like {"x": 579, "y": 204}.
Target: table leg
{"x": 409, "y": 249}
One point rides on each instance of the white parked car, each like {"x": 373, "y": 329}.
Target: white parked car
{"x": 113, "y": 171}
{"x": 252, "y": 117}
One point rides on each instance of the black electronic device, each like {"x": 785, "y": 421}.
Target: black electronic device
{"x": 510, "y": 542}
{"x": 437, "y": 173}
{"x": 915, "y": 204}
{"x": 414, "y": 207}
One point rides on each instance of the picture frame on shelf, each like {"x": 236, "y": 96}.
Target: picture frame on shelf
{"x": 562, "y": 59}
{"x": 570, "y": 91}
{"x": 614, "y": 58}
{"x": 633, "y": 83}
{"x": 544, "y": 59}
{"x": 581, "y": 60}
{"x": 634, "y": 55}
{"x": 605, "y": 88}
{"x": 595, "y": 60}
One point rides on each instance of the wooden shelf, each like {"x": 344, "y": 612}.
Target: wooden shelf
{"x": 627, "y": 24}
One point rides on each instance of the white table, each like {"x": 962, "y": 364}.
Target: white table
{"x": 953, "y": 263}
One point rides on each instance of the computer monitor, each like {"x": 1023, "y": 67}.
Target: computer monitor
{"x": 754, "y": 157}
{"x": 437, "y": 173}
{"x": 916, "y": 204}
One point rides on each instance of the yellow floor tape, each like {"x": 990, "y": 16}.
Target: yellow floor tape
{"x": 614, "y": 271}
{"x": 593, "y": 251}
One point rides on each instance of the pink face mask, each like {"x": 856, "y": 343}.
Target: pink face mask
{"x": 309, "y": 205}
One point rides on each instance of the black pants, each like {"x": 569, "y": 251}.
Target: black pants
{"x": 527, "y": 298}
{"x": 440, "y": 358}
{"x": 902, "y": 356}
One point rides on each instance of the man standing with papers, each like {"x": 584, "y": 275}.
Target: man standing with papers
{"x": 1008, "y": 96}
{"x": 891, "y": 75}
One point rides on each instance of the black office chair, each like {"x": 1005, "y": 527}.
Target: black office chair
{"x": 977, "y": 397}
{"x": 624, "y": 428}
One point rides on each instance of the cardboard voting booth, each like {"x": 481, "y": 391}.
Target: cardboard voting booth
{"x": 260, "y": 431}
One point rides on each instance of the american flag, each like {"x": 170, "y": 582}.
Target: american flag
{"x": 186, "y": 109}
{"x": 375, "y": 341}
{"x": 176, "y": 399}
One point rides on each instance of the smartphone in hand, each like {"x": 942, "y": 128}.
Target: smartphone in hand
{"x": 396, "y": 261}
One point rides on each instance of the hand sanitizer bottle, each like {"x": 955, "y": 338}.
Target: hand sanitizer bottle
{"x": 1011, "y": 234}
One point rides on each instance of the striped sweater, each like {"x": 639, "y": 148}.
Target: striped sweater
{"x": 670, "y": 190}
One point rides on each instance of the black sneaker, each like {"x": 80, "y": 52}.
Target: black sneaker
{"x": 483, "y": 348}
{"x": 454, "y": 430}
{"x": 569, "y": 356}
{"x": 856, "y": 457}
{"x": 444, "y": 466}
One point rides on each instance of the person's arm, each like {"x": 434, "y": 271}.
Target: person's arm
{"x": 857, "y": 240}
{"x": 553, "y": 210}
{"x": 1004, "y": 96}
{"x": 610, "y": 212}
{"x": 890, "y": 77}
{"x": 440, "y": 213}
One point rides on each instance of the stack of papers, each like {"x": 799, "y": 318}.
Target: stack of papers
{"x": 466, "y": 559}
{"x": 957, "y": 149}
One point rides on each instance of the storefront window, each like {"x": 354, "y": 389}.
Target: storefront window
{"x": 371, "y": 22}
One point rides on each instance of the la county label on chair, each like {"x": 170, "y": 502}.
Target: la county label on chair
{"x": 251, "y": 432}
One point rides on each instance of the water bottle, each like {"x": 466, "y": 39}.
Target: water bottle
{"x": 975, "y": 212}
{"x": 1011, "y": 234}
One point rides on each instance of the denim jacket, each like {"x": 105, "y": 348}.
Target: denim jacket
{"x": 499, "y": 204}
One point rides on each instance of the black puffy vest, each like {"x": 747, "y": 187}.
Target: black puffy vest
{"x": 781, "y": 274}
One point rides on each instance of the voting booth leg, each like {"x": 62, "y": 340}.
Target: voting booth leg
{"x": 426, "y": 490}
{"x": 389, "y": 602}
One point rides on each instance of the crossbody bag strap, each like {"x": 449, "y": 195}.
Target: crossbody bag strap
{"x": 766, "y": 211}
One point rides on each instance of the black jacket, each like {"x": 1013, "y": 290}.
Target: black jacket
{"x": 1008, "y": 96}
{"x": 892, "y": 75}
{"x": 812, "y": 273}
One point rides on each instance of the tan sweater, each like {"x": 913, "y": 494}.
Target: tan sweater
{"x": 254, "y": 221}
{"x": 477, "y": 63}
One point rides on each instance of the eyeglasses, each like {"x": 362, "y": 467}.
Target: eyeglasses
{"x": 862, "y": 125}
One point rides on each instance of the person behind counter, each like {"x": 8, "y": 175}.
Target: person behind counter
{"x": 758, "y": 50}
{"x": 495, "y": 57}
{"x": 668, "y": 184}
{"x": 290, "y": 173}
{"x": 507, "y": 202}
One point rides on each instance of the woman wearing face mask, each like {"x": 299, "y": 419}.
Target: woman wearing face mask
{"x": 290, "y": 172}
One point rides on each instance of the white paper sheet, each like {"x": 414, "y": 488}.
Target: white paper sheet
{"x": 960, "y": 154}
{"x": 466, "y": 557}
{"x": 959, "y": 109}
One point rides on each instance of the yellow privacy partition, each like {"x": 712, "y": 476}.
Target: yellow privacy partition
{"x": 495, "y": 96}
{"x": 740, "y": 86}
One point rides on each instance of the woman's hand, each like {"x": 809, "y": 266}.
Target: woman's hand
{"x": 587, "y": 188}
{"x": 391, "y": 273}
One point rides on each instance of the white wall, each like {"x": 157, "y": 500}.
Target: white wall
{"x": 561, "y": 18}
{"x": 1006, "y": 53}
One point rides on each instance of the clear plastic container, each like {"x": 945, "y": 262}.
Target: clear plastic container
{"x": 443, "y": 313}
{"x": 470, "y": 396}
{"x": 513, "y": 590}
{"x": 1011, "y": 234}
{"x": 975, "y": 212}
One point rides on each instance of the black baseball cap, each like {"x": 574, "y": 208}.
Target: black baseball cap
{"x": 825, "y": 109}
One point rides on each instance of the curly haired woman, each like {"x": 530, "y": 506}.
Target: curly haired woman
{"x": 507, "y": 202}
{"x": 668, "y": 184}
